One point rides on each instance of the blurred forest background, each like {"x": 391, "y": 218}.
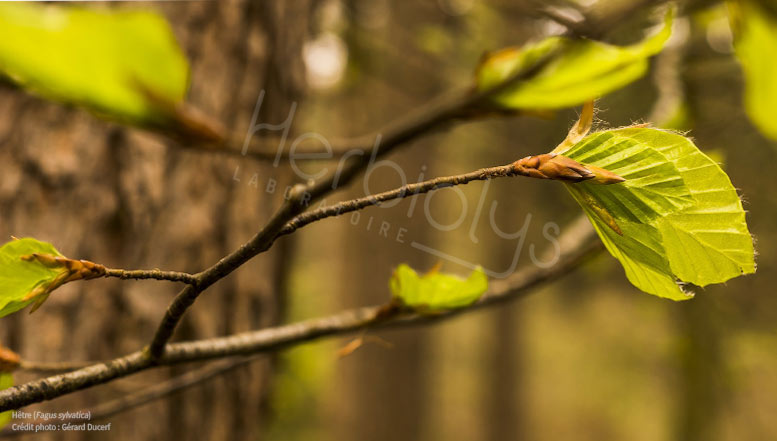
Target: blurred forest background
{"x": 588, "y": 357}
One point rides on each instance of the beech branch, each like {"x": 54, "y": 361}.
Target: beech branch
{"x": 434, "y": 116}
{"x": 548, "y": 166}
{"x": 576, "y": 245}
{"x": 431, "y": 117}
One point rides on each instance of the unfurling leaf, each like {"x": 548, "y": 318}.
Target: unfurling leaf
{"x": 675, "y": 220}
{"x": 582, "y": 71}
{"x": 6, "y": 381}
{"x": 30, "y": 270}
{"x": 580, "y": 129}
{"x": 435, "y": 291}
{"x": 119, "y": 63}
{"x": 755, "y": 43}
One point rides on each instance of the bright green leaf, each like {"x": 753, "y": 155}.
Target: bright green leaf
{"x": 755, "y": 42}
{"x": 653, "y": 186}
{"x": 23, "y": 282}
{"x": 120, "y": 63}
{"x": 584, "y": 70}
{"x": 713, "y": 231}
{"x": 436, "y": 291}
{"x": 692, "y": 231}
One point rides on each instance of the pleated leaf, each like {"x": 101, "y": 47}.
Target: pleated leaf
{"x": 653, "y": 186}
{"x": 714, "y": 228}
{"x": 584, "y": 70}
{"x": 693, "y": 230}
{"x": 435, "y": 291}
{"x": 639, "y": 250}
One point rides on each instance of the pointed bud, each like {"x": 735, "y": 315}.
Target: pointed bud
{"x": 76, "y": 269}
{"x": 565, "y": 169}
{"x": 602, "y": 176}
{"x": 552, "y": 166}
{"x": 71, "y": 270}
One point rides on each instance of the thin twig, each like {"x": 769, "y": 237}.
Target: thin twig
{"x": 576, "y": 245}
{"x": 398, "y": 193}
{"x": 172, "y": 276}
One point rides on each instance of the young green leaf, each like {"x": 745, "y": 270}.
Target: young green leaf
{"x": 584, "y": 70}
{"x": 435, "y": 291}
{"x": 755, "y": 43}
{"x": 6, "y": 381}
{"x": 30, "y": 270}
{"x": 679, "y": 218}
{"x": 20, "y": 278}
{"x": 120, "y": 63}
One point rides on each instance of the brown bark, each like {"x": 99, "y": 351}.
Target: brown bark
{"x": 120, "y": 197}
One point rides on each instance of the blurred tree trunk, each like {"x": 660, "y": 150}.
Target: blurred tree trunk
{"x": 120, "y": 197}
{"x": 504, "y": 414}
{"x": 702, "y": 372}
{"x": 385, "y": 395}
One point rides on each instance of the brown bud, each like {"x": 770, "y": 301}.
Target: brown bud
{"x": 566, "y": 169}
{"x": 76, "y": 269}
{"x": 9, "y": 360}
{"x": 561, "y": 168}
{"x": 72, "y": 270}
{"x": 552, "y": 166}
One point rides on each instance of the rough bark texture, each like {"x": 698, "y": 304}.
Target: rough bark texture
{"x": 121, "y": 197}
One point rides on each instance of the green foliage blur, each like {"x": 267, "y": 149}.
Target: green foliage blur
{"x": 125, "y": 65}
